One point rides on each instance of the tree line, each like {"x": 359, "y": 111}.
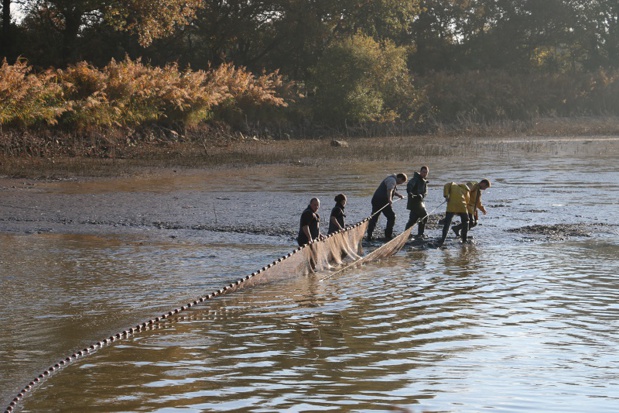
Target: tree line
{"x": 347, "y": 63}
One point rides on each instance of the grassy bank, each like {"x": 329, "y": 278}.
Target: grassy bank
{"x": 238, "y": 150}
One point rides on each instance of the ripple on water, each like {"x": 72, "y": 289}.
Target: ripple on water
{"x": 499, "y": 325}
{"x": 396, "y": 333}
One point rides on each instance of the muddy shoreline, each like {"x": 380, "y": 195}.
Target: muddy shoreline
{"x": 265, "y": 200}
{"x": 36, "y": 207}
{"x": 31, "y": 207}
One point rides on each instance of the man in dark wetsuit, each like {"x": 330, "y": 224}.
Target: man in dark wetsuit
{"x": 417, "y": 189}
{"x": 382, "y": 201}
{"x": 309, "y": 227}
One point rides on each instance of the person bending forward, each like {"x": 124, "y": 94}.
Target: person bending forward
{"x": 382, "y": 201}
{"x": 457, "y": 196}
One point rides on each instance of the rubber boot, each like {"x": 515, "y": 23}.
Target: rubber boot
{"x": 464, "y": 231}
{"x": 421, "y": 229}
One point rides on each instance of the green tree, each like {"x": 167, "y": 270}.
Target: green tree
{"x": 599, "y": 28}
{"x": 290, "y": 35}
{"x": 433, "y": 35}
{"x": 65, "y": 21}
{"x": 360, "y": 80}
{"x": 503, "y": 34}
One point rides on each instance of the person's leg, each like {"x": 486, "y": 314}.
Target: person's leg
{"x": 465, "y": 226}
{"x": 412, "y": 219}
{"x": 373, "y": 220}
{"x": 390, "y": 214}
{"x": 422, "y": 227}
{"x": 423, "y": 219}
{"x": 472, "y": 221}
{"x": 456, "y": 229}
{"x": 446, "y": 223}
{"x": 372, "y": 225}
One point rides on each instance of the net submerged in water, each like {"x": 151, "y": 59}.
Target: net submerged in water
{"x": 333, "y": 254}
{"x": 337, "y": 252}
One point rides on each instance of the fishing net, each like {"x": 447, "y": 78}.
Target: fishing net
{"x": 333, "y": 254}
{"x": 333, "y": 251}
{"x": 337, "y": 252}
{"x": 386, "y": 250}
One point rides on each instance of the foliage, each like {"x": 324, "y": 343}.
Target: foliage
{"x": 361, "y": 80}
{"x": 386, "y": 61}
{"x": 494, "y": 96}
{"x": 61, "y": 25}
{"x": 150, "y": 19}
{"x": 247, "y": 96}
{"x": 27, "y": 99}
{"x": 143, "y": 94}
{"x": 129, "y": 94}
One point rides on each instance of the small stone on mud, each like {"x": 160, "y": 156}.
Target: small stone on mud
{"x": 339, "y": 143}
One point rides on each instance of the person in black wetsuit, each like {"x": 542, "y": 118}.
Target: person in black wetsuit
{"x": 309, "y": 226}
{"x": 336, "y": 220}
{"x": 382, "y": 201}
{"x": 417, "y": 189}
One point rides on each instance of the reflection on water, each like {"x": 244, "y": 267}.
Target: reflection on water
{"x": 452, "y": 332}
{"x": 504, "y": 324}
{"x": 61, "y": 293}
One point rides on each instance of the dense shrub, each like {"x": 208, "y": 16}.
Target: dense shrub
{"x": 84, "y": 89}
{"x": 360, "y": 80}
{"x": 495, "y": 96}
{"x": 129, "y": 94}
{"x": 165, "y": 95}
{"x": 246, "y": 97}
{"x": 26, "y": 99}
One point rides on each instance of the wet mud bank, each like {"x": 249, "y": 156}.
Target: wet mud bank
{"x": 543, "y": 189}
{"x": 40, "y": 207}
{"x": 562, "y": 232}
{"x": 76, "y": 207}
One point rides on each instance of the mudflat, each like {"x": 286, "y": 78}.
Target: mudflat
{"x": 266, "y": 199}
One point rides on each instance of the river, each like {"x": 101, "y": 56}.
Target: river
{"x": 524, "y": 318}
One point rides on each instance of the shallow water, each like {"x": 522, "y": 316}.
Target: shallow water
{"x": 514, "y": 322}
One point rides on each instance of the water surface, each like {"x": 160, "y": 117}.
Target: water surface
{"x": 514, "y": 322}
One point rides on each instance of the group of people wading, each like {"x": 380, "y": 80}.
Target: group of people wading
{"x": 462, "y": 199}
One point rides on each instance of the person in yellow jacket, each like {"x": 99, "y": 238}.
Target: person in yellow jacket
{"x": 474, "y": 204}
{"x": 457, "y": 197}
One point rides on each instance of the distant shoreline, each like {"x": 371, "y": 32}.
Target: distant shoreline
{"x": 240, "y": 151}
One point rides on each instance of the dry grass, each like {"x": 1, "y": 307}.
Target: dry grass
{"x": 129, "y": 93}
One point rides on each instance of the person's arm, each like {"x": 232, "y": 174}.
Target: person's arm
{"x": 414, "y": 189}
{"x": 481, "y": 207}
{"x": 392, "y": 189}
{"x": 395, "y": 192}
{"x": 446, "y": 191}
{"x": 306, "y": 231}
{"x": 335, "y": 222}
{"x": 478, "y": 204}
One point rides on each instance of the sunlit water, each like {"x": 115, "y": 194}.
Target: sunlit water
{"x": 511, "y": 323}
